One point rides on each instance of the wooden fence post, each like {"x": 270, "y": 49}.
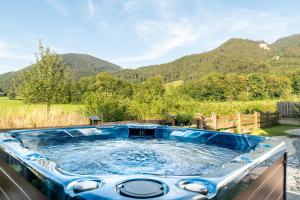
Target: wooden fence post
{"x": 202, "y": 122}
{"x": 267, "y": 118}
{"x": 198, "y": 120}
{"x": 101, "y": 118}
{"x": 214, "y": 118}
{"x": 239, "y": 128}
{"x": 277, "y": 117}
{"x": 255, "y": 115}
{"x": 173, "y": 121}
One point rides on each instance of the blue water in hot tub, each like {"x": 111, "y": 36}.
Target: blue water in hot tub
{"x": 137, "y": 156}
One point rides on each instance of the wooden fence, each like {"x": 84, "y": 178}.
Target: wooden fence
{"x": 240, "y": 123}
{"x": 237, "y": 123}
{"x": 288, "y": 109}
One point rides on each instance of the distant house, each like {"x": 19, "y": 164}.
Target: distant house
{"x": 2, "y": 94}
{"x": 264, "y": 45}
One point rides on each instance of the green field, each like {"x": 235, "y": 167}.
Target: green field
{"x": 16, "y": 114}
{"x": 7, "y": 105}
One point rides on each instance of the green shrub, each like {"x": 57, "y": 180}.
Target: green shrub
{"x": 111, "y": 106}
{"x": 184, "y": 119}
{"x": 11, "y": 95}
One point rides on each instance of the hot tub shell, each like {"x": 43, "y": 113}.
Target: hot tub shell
{"x": 259, "y": 173}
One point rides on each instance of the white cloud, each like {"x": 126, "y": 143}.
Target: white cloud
{"x": 7, "y": 53}
{"x": 259, "y": 24}
{"x": 130, "y": 6}
{"x": 163, "y": 37}
{"x": 91, "y": 8}
{"x": 12, "y": 59}
{"x": 59, "y": 5}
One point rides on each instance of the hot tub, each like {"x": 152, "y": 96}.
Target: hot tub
{"x": 141, "y": 161}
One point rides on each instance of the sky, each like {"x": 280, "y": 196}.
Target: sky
{"x": 134, "y": 33}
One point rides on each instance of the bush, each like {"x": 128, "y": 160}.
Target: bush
{"x": 111, "y": 106}
{"x": 11, "y": 95}
{"x": 184, "y": 119}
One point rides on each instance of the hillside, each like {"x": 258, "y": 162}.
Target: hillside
{"x": 86, "y": 65}
{"x": 235, "y": 55}
{"x": 287, "y": 43}
{"x": 80, "y": 65}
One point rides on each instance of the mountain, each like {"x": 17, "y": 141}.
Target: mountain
{"x": 80, "y": 65}
{"x": 6, "y": 80}
{"x": 286, "y": 42}
{"x": 235, "y": 55}
{"x": 86, "y": 65}
{"x": 283, "y": 44}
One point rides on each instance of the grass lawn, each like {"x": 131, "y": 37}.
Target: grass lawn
{"x": 16, "y": 114}
{"x": 7, "y": 105}
{"x": 276, "y": 130}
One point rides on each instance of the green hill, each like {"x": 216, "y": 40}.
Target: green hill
{"x": 287, "y": 43}
{"x": 235, "y": 55}
{"x": 80, "y": 65}
{"x": 86, "y": 65}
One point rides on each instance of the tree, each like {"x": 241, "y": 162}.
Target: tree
{"x": 105, "y": 82}
{"x": 148, "y": 97}
{"x": 12, "y": 90}
{"x": 278, "y": 86}
{"x": 150, "y": 90}
{"x": 211, "y": 87}
{"x": 257, "y": 86}
{"x": 113, "y": 107}
{"x": 47, "y": 80}
{"x": 296, "y": 84}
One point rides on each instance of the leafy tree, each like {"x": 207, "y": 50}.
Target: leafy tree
{"x": 112, "y": 106}
{"x": 149, "y": 90}
{"x": 148, "y": 98}
{"x": 234, "y": 86}
{"x": 86, "y": 83}
{"x": 107, "y": 83}
{"x": 12, "y": 90}
{"x": 296, "y": 84}
{"x": 74, "y": 92}
{"x": 47, "y": 80}
{"x": 11, "y": 95}
{"x": 212, "y": 87}
{"x": 278, "y": 86}
{"x": 257, "y": 86}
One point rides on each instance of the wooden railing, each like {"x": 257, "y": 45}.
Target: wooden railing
{"x": 236, "y": 123}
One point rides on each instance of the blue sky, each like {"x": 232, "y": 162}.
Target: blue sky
{"x": 134, "y": 33}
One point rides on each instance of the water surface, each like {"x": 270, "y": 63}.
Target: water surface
{"x": 163, "y": 157}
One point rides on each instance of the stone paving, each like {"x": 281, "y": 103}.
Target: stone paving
{"x": 293, "y": 170}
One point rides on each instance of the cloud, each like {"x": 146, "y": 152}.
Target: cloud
{"x": 257, "y": 24}
{"x": 90, "y": 8}
{"x": 7, "y": 53}
{"x": 130, "y": 6}
{"x": 163, "y": 37}
{"x": 59, "y": 5}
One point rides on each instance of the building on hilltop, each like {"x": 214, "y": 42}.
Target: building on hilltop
{"x": 264, "y": 45}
